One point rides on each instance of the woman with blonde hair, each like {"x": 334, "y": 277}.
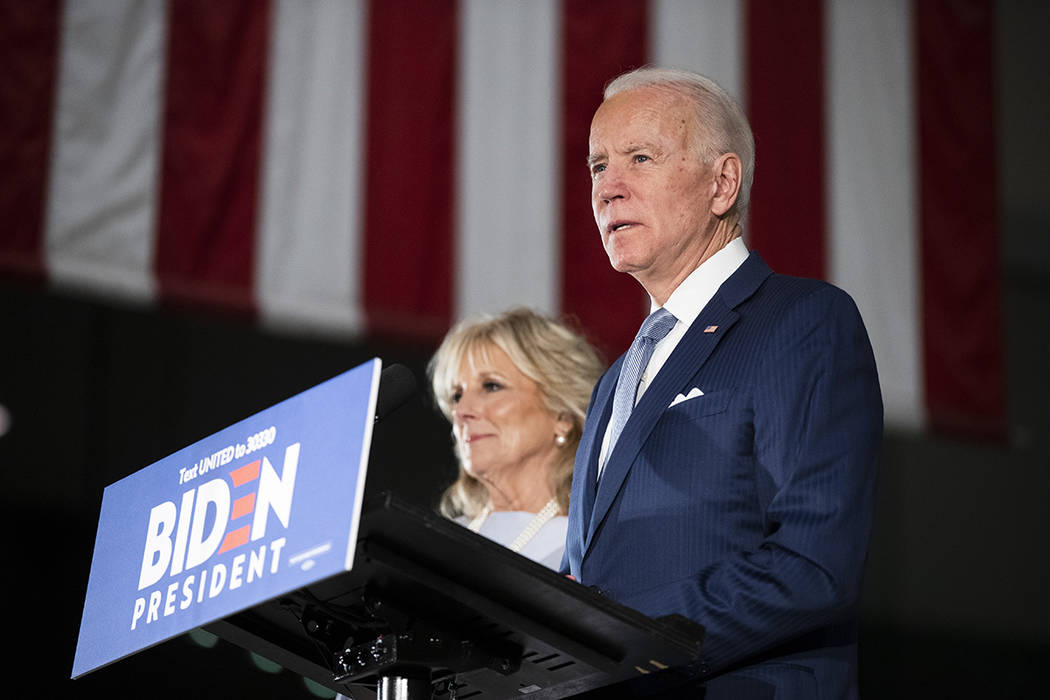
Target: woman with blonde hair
{"x": 515, "y": 388}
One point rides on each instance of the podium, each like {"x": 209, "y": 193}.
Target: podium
{"x": 431, "y": 609}
{"x": 264, "y": 534}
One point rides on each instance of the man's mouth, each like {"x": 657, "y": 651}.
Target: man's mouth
{"x": 619, "y": 226}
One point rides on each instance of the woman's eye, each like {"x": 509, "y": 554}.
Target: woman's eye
{"x": 639, "y": 158}
{"x": 492, "y": 386}
{"x": 456, "y": 396}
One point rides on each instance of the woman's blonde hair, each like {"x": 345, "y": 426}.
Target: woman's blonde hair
{"x": 558, "y": 359}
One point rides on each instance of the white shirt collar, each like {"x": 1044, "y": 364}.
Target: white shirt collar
{"x": 692, "y": 295}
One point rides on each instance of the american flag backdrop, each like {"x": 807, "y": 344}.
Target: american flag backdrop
{"x": 388, "y": 166}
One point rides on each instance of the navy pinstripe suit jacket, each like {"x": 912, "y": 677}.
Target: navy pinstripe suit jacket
{"x": 749, "y": 508}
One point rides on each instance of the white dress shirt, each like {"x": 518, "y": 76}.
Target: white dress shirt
{"x": 685, "y": 303}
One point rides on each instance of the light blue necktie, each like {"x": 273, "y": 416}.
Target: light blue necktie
{"x": 654, "y": 328}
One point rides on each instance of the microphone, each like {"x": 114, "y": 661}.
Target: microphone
{"x": 397, "y": 385}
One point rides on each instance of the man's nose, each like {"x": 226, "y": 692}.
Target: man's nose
{"x": 611, "y": 186}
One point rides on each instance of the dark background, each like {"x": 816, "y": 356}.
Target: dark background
{"x": 955, "y": 602}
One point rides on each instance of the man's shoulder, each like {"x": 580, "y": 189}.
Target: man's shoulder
{"x": 755, "y": 282}
{"x": 784, "y": 300}
{"x": 806, "y": 289}
{"x": 778, "y": 285}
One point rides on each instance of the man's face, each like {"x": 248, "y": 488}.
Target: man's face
{"x": 650, "y": 192}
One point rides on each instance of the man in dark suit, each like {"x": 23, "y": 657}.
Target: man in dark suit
{"x": 728, "y": 463}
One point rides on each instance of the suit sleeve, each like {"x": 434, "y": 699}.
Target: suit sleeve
{"x": 817, "y": 438}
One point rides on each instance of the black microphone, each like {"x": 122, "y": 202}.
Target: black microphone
{"x": 397, "y": 385}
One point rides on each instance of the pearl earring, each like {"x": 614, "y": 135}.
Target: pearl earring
{"x": 559, "y": 440}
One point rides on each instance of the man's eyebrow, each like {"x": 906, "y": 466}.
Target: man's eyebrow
{"x": 633, "y": 148}
{"x": 629, "y": 149}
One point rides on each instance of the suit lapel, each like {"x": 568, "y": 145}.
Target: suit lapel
{"x": 594, "y": 435}
{"x": 688, "y": 357}
{"x": 581, "y": 500}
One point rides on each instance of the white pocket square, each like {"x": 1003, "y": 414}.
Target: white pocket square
{"x": 693, "y": 393}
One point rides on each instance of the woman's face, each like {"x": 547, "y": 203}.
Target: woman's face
{"x": 503, "y": 429}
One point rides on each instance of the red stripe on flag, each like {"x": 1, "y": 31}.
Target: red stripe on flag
{"x": 235, "y": 538}
{"x": 29, "y": 55}
{"x": 601, "y": 40}
{"x": 962, "y": 316}
{"x": 212, "y": 128}
{"x": 242, "y": 475}
{"x": 785, "y": 80}
{"x": 409, "y": 173}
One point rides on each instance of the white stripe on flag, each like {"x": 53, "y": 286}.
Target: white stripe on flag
{"x": 508, "y": 179}
{"x": 872, "y": 181}
{"x": 308, "y": 258}
{"x": 706, "y": 36}
{"x": 102, "y": 192}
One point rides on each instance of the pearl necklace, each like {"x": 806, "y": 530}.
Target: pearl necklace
{"x": 546, "y": 513}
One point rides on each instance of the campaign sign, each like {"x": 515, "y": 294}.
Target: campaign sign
{"x": 264, "y": 507}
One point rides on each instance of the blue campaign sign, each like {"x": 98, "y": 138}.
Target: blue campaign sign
{"x": 266, "y": 506}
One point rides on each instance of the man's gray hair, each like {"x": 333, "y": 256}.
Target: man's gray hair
{"x": 723, "y": 126}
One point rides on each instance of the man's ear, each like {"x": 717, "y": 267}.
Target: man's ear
{"x": 727, "y": 172}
